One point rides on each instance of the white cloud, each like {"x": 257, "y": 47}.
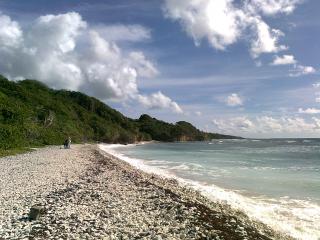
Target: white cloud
{"x": 297, "y": 70}
{"x": 144, "y": 67}
{"x": 63, "y": 51}
{"x": 224, "y": 22}
{"x": 302, "y": 70}
{"x": 203, "y": 19}
{"x": 267, "y": 125}
{"x": 234, "y": 125}
{"x": 10, "y": 32}
{"x": 309, "y": 110}
{"x": 44, "y": 50}
{"x": 158, "y": 100}
{"x": 120, "y": 32}
{"x": 318, "y": 99}
{"x": 298, "y": 125}
{"x": 317, "y": 122}
{"x": 266, "y": 39}
{"x": 306, "y": 69}
{"x": 316, "y": 85}
{"x": 234, "y": 100}
{"x": 284, "y": 60}
{"x": 272, "y": 7}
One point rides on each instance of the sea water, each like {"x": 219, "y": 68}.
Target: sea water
{"x": 276, "y": 181}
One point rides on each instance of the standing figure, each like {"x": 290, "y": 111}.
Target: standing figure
{"x": 69, "y": 142}
{"x": 65, "y": 143}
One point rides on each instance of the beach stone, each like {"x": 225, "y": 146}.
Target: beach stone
{"x": 157, "y": 237}
{"x": 35, "y": 212}
{"x": 105, "y": 198}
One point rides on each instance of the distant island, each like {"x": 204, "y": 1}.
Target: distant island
{"x": 32, "y": 114}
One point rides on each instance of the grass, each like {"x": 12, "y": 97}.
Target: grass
{"x": 15, "y": 151}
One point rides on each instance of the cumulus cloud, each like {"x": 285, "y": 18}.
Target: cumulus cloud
{"x": 144, "y": 67}
{"x": 297, "y": 69}
{"x": 305, "y": 69}
{"x": 266, "y": 40}
{"x": 44, "y": 50}
{"x": 272, "y": 7}
{"x": 158, "y": 100}
{"x": 63, "y": 51}
{"x": 235, "y": 124}
{"x": 284, "y": 60}
{"x": 120, "y": 32}
{"x": 10, "y": 32}
{"x": 298, "y": 125}
{"x": 234, "y": 100}
{"x": 300, "y": 70}
{"x": 309, "y": 110}
{"x": 203, "y": 19}
{"x": 267, "y": 124}
{"x": 225, "y": 22}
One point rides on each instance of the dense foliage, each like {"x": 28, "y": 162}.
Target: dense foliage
{"x": 31, "y": 114}
{"x": 181, "y": 131}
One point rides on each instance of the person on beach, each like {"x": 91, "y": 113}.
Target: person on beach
{"x": 67, "y": 143}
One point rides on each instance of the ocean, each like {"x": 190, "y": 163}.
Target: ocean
{"x": 276, "y": 181}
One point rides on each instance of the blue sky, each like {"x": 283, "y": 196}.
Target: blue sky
{"x": 240, "y": 67}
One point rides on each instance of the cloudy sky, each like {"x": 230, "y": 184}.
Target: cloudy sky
{"x": 244, "y": 67}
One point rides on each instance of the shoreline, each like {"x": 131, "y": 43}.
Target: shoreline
{"x": 292, "y": 215}
{"x": 103, "y": 197}
{"x": 194, "y": 196}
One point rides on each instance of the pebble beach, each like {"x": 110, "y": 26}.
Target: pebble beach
{"x": 86, "y": 193}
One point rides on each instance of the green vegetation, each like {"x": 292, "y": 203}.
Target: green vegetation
{"x": 14, "y": 151}
{"x": 181, "y": 131}
{"x": 31, "y": 114}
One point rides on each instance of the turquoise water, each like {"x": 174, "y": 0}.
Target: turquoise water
{"x": 276, "y": 181}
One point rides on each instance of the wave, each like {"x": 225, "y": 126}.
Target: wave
{"x": 298, "y": 218}
{"x": 180, "y": 167}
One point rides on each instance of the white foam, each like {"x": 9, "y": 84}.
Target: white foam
{"x": 298, "y": 218}
{"x": 180, "y": 167}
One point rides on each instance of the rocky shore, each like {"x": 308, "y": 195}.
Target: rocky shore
{"x": 88, "y": 194}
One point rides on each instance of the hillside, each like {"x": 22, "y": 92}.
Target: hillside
{"x": 31, "y": 114}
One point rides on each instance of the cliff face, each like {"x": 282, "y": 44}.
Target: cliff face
{"x": 32, "y": 114}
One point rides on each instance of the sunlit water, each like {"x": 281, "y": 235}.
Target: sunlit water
{"x": 275, "y": 181}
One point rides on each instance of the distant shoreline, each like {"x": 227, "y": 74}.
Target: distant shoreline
{"x": 88, "y": 193}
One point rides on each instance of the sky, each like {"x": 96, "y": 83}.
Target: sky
{"x": 241, "y": 67}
